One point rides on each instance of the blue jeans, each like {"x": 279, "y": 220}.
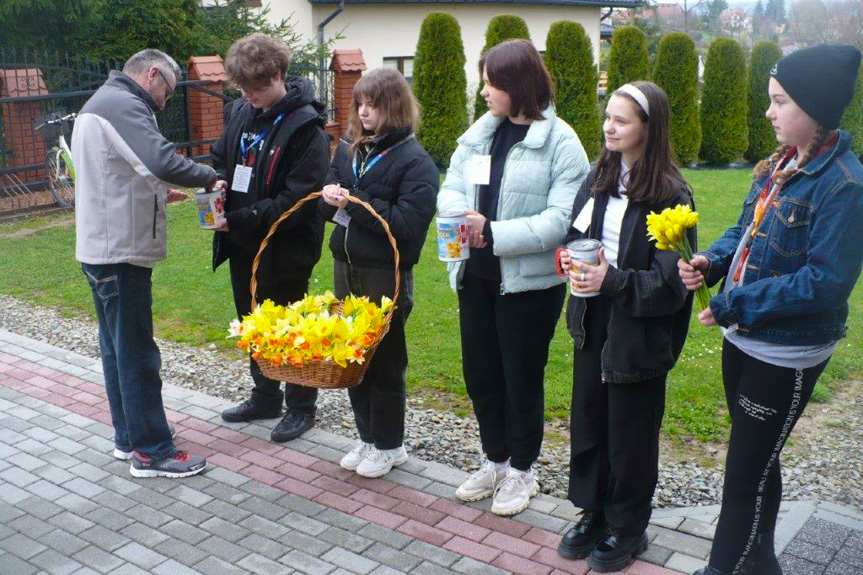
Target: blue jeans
{"x": 130, "y": 358}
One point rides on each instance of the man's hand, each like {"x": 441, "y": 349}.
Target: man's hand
{"x": 176, "y": 195}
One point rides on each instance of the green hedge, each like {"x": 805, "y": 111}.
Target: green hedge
{"x": 629, "y": 59}
{"x": 762, "y": 137}
{"x": 501, "y": 27}
{"x": 569, "y": 58}
{"x": 723, "y": 105}
{"x": 440, "y": 85}
{"x": 853, "y": 118}
{"x": 676, "y": 72}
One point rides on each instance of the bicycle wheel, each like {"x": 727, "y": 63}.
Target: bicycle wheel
{"x": 59, "y": 180}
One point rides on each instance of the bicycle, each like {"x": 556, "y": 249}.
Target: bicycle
{"x": 58, "y": 163}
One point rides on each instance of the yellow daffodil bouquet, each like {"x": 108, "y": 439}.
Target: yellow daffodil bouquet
{"x": 668, "y": 229}
{"x": 311, "y": 330}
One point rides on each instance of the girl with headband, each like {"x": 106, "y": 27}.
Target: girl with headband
{"x": 629, "y": 336}
{"x": 789, "y": 266}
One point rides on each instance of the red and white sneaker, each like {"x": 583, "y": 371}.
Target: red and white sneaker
{"x": 181, "y": 464}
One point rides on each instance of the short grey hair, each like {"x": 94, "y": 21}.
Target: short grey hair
{"x": 141, "y": 62}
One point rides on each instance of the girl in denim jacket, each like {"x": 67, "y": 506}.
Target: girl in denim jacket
{"x": 790, "y": 264}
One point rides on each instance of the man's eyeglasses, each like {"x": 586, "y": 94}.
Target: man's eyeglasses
{"x": 167, "y": 83}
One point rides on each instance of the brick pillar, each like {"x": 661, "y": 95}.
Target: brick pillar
{"x": 26, "y": 146}
{"x": 205, "y": 110}
{"x": 348, "y": 66}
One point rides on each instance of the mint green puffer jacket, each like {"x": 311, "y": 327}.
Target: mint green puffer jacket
{"x": 540, "y": 179}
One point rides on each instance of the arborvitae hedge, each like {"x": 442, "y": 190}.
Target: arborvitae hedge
{"x": 501, "y": 27}
{"x": 723, "y": 105}
{"x": 629, "y": 59}
{"x": 677, "y": 73}
{"x": 762, "y": 137}
{"x": 440, "y": 85}
{"x": 853, "y": 118}
{"x": 569, "y": 58}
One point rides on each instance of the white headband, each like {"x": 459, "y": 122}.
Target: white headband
{"x": 637, "y": 95}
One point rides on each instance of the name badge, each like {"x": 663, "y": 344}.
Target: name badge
{"x": 582, "y": 222}
{"x": 478, "y": 170}
{"x": 342, "y": 217}
{"x": 242, "y": 179}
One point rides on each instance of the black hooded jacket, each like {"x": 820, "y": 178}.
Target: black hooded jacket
{"x": 402, "y": 188}
{"x": 290, "y": 163}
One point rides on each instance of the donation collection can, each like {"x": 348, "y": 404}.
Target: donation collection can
{"x": 211, "y": 208}
{"x": 452, "y": 243}
{"x": 586, "y": 251}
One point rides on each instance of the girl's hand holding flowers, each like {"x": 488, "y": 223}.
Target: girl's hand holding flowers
{"x": 586, "y": 277}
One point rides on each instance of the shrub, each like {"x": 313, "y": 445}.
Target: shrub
{"x": 569, "y": 58}
{"x": 440, "y": 85}
{"x": 677, "y": 73}
{"x": 629, "y": 59}
{"x": 501, "y": 27}
{"x": 723, "y": 107}
{"x": 853, "y": 118}
{"x": 762, "y": 138}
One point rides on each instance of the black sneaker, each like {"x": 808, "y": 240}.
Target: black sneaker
{"x": 123, "y": 455}
{"x": 181, "y": 464}
{"x": 249, "y": 410}
{"x": 580, "y": 540}
{"x": 710, "y": 571}
{"x": 293, "y": 424}
{"x": 614, "y": 551}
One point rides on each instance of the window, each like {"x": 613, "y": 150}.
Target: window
{"x": 404, "y": 64}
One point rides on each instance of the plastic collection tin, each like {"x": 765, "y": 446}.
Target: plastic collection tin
{"x": 586, "y": 251}
{"x": 452, "y": 243}
{"x": 211, "y": 208}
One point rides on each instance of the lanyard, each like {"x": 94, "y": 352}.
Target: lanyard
{"x": 364, "y": 168}
{"x": 244, "y": 149}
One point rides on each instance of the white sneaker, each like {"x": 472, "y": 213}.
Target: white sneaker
{"x": 483, "y": 483}
{"x": 356, "y": 455}
{"x": 514, "y": 492}
{"x": 378, "y": 462}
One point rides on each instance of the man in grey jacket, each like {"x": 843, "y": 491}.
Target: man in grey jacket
{"x": 124, "y": 166}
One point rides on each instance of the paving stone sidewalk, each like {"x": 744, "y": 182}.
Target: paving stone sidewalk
{"x": 67, "y": 507}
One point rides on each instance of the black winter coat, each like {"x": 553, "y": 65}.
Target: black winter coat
{"x": 401, "y": 187}
{"x": 292, "y": 163}
{"x": 650, "y": 316}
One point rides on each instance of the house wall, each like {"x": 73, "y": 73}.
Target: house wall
{"x": 392, "y": 30}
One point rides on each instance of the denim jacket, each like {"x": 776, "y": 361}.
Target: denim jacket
{"x": 805, "y": 259}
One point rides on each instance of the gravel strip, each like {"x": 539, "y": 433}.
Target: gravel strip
{"x": 818, "y": 466}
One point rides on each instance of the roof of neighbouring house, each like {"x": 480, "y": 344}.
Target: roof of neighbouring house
{"x": 596, "y": 3}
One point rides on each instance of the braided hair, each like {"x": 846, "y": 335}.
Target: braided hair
{"x": 766, "y": 166}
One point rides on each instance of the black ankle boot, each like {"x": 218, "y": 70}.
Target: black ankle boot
{"x": 250, "y": 410}
{"x": 710, "y": 571}
{"x": 580, "y": 540}
{"x": 615, "y": 551}
{"x": 760, "y": 561}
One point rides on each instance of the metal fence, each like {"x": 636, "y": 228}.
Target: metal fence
{"x": 69, "y": 82}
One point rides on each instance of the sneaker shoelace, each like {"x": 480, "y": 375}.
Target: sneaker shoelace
{"x": 359, "y": 449}
{"x": 511, "y": 484}
{"x": 487, "y": 469}
{"x": 181, "y": 456}
{"x": 376, "y": 455}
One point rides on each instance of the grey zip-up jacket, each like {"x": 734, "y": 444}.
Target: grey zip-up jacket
{"x": 123, "y": 166}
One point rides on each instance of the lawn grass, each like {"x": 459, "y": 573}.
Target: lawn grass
{"x": 194, "y": 305}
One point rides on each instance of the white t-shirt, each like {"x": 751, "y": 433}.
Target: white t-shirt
{"x": 613, "y": 220}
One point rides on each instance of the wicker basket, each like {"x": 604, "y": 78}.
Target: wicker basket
{"x": 325, "y": 374}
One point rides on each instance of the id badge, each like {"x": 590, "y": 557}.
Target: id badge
{"x": 342, "y": 217}
{"x": 478, "y": 170}
{"x": 582, "y": 222}
{"x": 242, "y": 179}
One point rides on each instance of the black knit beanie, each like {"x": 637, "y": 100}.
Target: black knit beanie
{"x": 820, "y": 80}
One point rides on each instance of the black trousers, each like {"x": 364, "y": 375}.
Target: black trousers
{"x": 268, "y": 391}
{"x": 504, "y": 346}
{"x": 614, "y": 434}
{"x": 765, "y": 401}
{"x": 378, "y": 401}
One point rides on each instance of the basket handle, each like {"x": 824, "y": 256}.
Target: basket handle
{"x": 313, "y": 196}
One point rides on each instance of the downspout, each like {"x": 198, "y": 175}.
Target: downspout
{"x": 323, "y": 64}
